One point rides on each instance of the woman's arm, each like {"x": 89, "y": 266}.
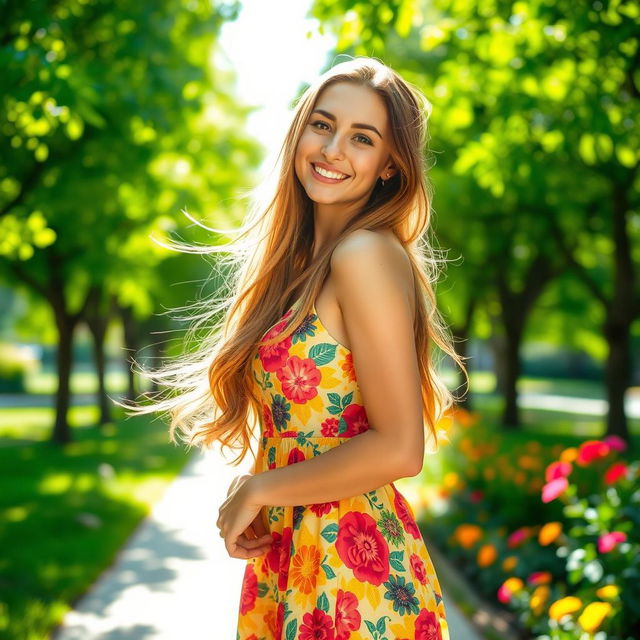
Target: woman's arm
{"x": 373, "y": 283}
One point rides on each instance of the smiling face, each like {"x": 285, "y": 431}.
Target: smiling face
{"x": 347, "y": 138}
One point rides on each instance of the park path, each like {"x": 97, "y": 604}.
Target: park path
{"x": 173, "y": 579}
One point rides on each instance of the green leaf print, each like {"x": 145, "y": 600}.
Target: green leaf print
{"x": 328, "y": 571}
{"x": 343, "y": 427}
{"x": 396, "y": 560}
{"x": 330, "y": 532}
{"x": 346, "y": 401}
{"x": 382, "y": 625}
{"x": 322, "y": 353}
{"x": 263, "y": 588}
{"x": 274, "y": 513}
{"x": 292, "y": 629}
{"x": 323, "y": 602}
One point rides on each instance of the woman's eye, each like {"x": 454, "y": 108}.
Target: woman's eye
{"x": 362, "y": 138}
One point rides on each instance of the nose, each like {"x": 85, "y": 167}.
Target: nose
{"x": 333, "y": 148}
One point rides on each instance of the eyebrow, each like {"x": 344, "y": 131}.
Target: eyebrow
{"x": 355, "y": 125}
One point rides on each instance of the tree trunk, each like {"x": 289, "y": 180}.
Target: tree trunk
{"x": 64, "y": 357}
{"x": 98, "y": 326}
{"x": 617, "y": 378}
{"x": 511, "y": 414}
{"x": 130, "y": 339}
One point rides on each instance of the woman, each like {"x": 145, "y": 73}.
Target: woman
{"x": 324, "y": 354}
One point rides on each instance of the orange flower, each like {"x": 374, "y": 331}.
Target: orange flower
{"x": 593, "y": 615}
{"x": 549, "y": 533}
{"x": 569, "y": 454}
{"x": 487, "y": 555}
{"x": 564, "y": 606}
{"x": 509, "y": 563}
{"x": 468, "y": 534}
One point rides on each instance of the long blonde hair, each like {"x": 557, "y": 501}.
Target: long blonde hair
{"x": 209, "y": 393}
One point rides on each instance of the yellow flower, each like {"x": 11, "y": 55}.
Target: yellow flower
{"x": 509, "y": 563}
{"x": 608, "y": 591}
{"x": 564, "y": 606}
{"x": 593, "y": 615}
{"x": 549, "y": 533}
{"x": 468, "y": 534}
{"x": 513, "y": 584}
{"x": 451, "y": 480}
{"x": 539, "y": 598}
{"x": 487, "y": 555}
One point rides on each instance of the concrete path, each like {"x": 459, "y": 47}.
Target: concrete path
{"x": 174, "y": 579}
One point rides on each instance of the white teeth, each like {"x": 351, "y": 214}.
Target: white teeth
{"x": 328, "y": 174}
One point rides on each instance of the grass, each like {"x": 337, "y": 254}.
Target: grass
{"x": 66, "y": 511}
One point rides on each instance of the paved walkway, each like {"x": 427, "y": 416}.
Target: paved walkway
{"x": 174, "y": 579}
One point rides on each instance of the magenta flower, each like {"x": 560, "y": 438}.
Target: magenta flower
{"x": 609, "y": 541}
{"x": 615, "y": 442}
{"x": 517, "y": 537}
{"x": 553, "y": 489}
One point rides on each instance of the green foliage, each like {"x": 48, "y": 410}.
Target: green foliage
{"x": 15, "y": 364}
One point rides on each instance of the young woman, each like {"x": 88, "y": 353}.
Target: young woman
{"x": 325, "y": 356}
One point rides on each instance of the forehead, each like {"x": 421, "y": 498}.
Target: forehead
{"x": 353, "y": 102}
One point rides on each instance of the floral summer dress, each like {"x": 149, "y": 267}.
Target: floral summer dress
{"x": 351, "y": 569}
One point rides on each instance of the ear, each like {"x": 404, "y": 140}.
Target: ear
{"x": 388, "y": 172}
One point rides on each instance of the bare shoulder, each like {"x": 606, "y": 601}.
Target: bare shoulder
{"x": 365, "y": 258}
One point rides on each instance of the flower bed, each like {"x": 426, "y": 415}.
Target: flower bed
{"x": 550, "y": 533}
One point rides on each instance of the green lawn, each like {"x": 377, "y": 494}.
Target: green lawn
{"x": 65, "y": 512}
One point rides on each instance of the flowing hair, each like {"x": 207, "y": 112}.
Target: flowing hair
{"x": 209, "y": 393}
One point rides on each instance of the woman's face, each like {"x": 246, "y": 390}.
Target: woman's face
{"x": 346, "y": 134}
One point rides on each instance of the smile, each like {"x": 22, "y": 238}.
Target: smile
{"x": 331, "y": 177}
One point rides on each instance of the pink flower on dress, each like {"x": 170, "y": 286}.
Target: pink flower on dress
{"x": 295, "y": 455}
{"x": 267, "y": 421}
{"x": 356, "y": 418}
{"x": 329, "y": 428}
{"x": 418, "y": 568}
{"x": 404, "y": 513}
{"x": 322, "y": 508}
{"x": 300, "y": 378}
{"x": 274, "y": 356}
{"x": 609, "y": 541}
{"x": 348, "y": 617}
{"x": 428, "y": 626}
{"x": 553, "y": 489}
{"x": 362, "y": 547}
{"x": 249, "y": 589}
{"x": 279, "y": 554}
{"x": 316, "y": 626}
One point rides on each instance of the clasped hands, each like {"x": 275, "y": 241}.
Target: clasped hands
{"x": 240, "y": 522}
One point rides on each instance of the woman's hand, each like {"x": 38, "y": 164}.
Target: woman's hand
{"x": 240, "y": 515}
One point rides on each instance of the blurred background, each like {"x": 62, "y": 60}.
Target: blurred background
{"x": 114, "y": 116}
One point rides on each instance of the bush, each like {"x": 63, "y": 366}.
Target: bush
{"x": 16, "y": 363}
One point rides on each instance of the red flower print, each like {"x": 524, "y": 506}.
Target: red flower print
{"x": 356, "y": 418}
{"x": 274, "y": 356}
{"x": 300, "y": 378}
{"x": 362, "y": 547}
{"x": 267, "y": 421}
{"x": 418, "y": 568}
{"x": 316, "y": 626}
{"x": 348, "y": 617}
{"x": 348, "y": 368}
{"x": 277, "y": 558}
{"x": 249, "y": 590}
{"x": 289, "y": 434}
{"x": 427, "y": 626}
{"x": 295, "y": 455}
{"x": 322, "y": 508}
{"x": 404, "y": 513}
{"x": 329, "y": 428}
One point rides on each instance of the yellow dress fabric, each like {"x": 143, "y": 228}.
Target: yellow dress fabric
{"x": 351, "y": 569}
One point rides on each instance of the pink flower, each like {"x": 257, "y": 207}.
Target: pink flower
{"x": 517, "y": 537}
{"x": 591, "y": 450}
{"x": 300, "y": 379}
{"x": 609, "y": 541}
{"x": 557, "y": 470}
{"x": 348, "y": 617}
{"x": 615, "y": 442}
{"x": 553, "y": 489}
{"x": 362, "y": 547}
{"x": 614, "y": 472}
